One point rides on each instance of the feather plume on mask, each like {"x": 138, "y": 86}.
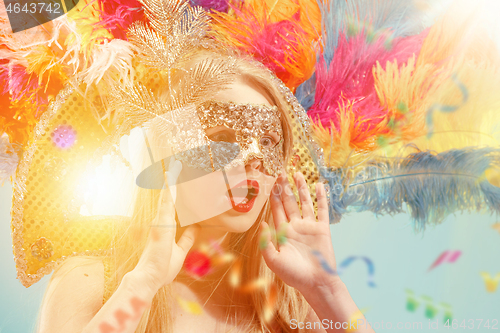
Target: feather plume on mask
{"x": 172, "y": 44}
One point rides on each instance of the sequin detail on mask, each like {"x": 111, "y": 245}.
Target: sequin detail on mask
{"x": 251, "y": 123}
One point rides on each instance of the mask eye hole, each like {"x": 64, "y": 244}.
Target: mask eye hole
{"x": 221, "y": 134}
{"x": 267, "y": 141}
{"x": 270, "y": 140}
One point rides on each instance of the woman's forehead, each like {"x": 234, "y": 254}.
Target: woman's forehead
{"x": 241, "y": 92}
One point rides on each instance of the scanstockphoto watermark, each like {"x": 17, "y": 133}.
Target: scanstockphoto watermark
{"x": 351, "y": 181}
{"x": 360, "y": 323}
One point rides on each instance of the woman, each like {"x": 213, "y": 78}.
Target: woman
{"x": 148, "y": 270}
{"x": 232, "y": 129}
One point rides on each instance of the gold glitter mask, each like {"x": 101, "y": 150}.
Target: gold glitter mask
{"x": 252, "y": 124}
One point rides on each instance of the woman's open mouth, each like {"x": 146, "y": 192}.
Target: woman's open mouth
{"x": 248, "y": 190}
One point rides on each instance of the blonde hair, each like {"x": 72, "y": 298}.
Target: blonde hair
{"x": 290, "y": 303}
{"x": 130, "y": 244}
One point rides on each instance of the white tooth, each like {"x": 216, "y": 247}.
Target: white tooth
{"x": 244, "y": 201}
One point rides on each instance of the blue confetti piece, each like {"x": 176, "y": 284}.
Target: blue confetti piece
{"x": 323, "y": 263}
{"x": 369, "y": 264}
{"x": 446, "y": 108}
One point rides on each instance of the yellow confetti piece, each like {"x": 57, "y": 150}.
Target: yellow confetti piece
{"x": 254, "y": 285}
{"x": 496, "y": 226}
{"x": 190, "y": 306}
{"x": 358, "y": 315}
{"x": 490, "y": 282}
{"x": 270, "y": 306}
{"x": 223, "y": 259}
{"x": 235, "y": 274}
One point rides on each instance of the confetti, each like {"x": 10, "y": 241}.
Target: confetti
{"x": 431, "y": 309}
{"x": 412, "y": 302}
{"x": 190, "y": 306}
{"x": 403, "y": 107}
{"x": 382, "y": 141}
{"x": 63, "y": 137}
{"x": 269, "y": 307}
{"x": 323, "y": 262}
{"x": 216, "y": 246}
{"x": 197, "y": 264}
{"x": 281, "y": 234}
{"x": 353, "y": 319}
{"x": 255, "y": 285}
{"x": 263, "y": 238}
{"x": 448, "y": 316}
{"x": 446, "y": 108}
{"x": 446, "y": 256}
{"x": 235, "y": 274}
{"x": 371, "y": 268}
{"x": 491, "y": 283}
{"x": 223, "y": 259}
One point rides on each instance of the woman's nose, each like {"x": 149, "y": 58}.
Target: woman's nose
{"x": 256, "y": 164}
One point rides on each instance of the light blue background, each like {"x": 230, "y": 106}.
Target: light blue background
{"x": 401, "y": 260}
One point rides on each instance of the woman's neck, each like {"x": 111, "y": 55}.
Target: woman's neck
{"x": 214, "y": 243}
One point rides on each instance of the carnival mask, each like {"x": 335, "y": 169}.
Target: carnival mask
{"x": 251, "y": 124}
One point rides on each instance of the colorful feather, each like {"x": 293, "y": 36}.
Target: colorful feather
{"x": 9, "y": 159}
{"x": 111, "y": 60}
{"x": 351, "y": 17}
{"x": 280, "y": 36}
{"x": 14, "y": 80}
{"x": 212, "y": 5}
{"x": 349, "y": 79}
{"x": 117, "y": 15}
{"x": 432, "y": 186}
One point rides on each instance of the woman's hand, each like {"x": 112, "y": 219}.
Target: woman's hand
{"x": 162, "y": 258}
{"x": 293, "y": 260}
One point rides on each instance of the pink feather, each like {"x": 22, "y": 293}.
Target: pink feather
{"x": 19, "y": 83}
{"x": 117, "y": 15}
{"x": 349, "y": 78}
{"x": 283, "y": 46}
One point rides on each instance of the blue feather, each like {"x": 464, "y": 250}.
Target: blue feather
{"x": 432, "y": 186}
{"x": 402, "y": 18}
{"x": 306, "y": 91}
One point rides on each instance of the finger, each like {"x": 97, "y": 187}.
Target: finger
{"x": 288, "y": 199}
{"x": 267, "y": 248}
{"x": 188, "y": 237}
{"x": 163, "y": 228}
{"x": 304, "y": 196}
{"x": 166, "y": 211}
{"x": 323, "y": 215}
{"x": 279, "y": 215}
{"x": 174, "y": 169}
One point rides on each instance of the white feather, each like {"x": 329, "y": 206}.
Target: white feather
{"x": 8, "y": 159}
{"x": 110, "y": 60}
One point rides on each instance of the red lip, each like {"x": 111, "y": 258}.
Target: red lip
{"x": 245, "y": 207}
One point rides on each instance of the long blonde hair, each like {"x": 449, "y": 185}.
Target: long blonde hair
{"x": 290, "y": 303}
{"x": 129, "y": 245}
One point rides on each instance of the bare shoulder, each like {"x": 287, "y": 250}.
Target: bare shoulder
{"x": 74, "y": 295}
